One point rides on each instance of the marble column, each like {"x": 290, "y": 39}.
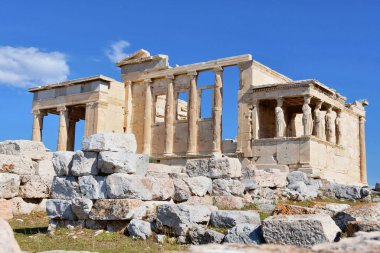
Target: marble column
{"x": 193, "y": 115}
{"x": 63, "y": 127}
{"x": 147, "y": 117}
{"x": 169, "y": 117}
{"x": 128, "y": 107}
{"x": 37, "y": 125}
{"x": 363, "y": 159}
{"x": 217, "y": 111}
{"x": 71, "y": 135}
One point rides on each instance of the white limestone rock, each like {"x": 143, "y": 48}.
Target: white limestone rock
{"x": 201, "y": 235}
{"x": 140, "y": 229}
{"x": 245, "y": 233}
{"x": 32, "y": 149}
{"x": 297, "y": 176}
{"x": 9, "y": 185}
{"x": 300, "y": 230}
{"x": 8, "y": 243}
{"x": 114, "y": 209}
{"x": 62, "y": 162}
{"x": 228, "y": 202}
{"x": 230, "y": 218}
{"x": 219, "y": 166}
{"x": 93, "y": 187}
{"x": 33, "y": 186}
{"x": 81, "y": 207}
{"x": 161, "y": 170}
{"x": 181, "y": 190}
{"x": 65, "y": 188}
{"x": 162, "y": 188}
{"x": 17, "y": 164}
{"x": 45, "y": 170}
{"x": 199, "y": 186}
{"x": 27, "y": 206}
{"x": 142, "y": 164}
{"x": 254, "y": 178}
{"x": 84, "y": 163}
{"x": 110, "y": 142}
{"x": 179, "y": 218}
{"x": 120, "y": 185}
{"x": 151, "y": 206}
{"x": 227, "y": 187}
{"x": 59, "y": 209}
{"x": 117, "y": 162}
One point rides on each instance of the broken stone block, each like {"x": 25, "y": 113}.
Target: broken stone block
{"x": 9, "y": 185}
{"x": 62, "y": 162}
{"x": 201, "y": 235}
{"x": 109, "y": 142}
{"x": 93, "y": 187}
{"x": 245, "y": 233}
{"x": 177, "y": 219}
{"x": 45, "y": 170}
{"x": 199, "y": 186}
{"x": 254, "y": 178}
{"x": 65, "y": 188}
{"x": 85, "y": 163}
{"x": 32, "y": 149}
{"x": 227, "y": 187}
{"x": 161, "y": 170}
{"x": 300, "y": 230}
{"x": 229, "y": 202}
{"x": 368, "y": 212}
{"x": 123, "y": 162}
{"x": 81, "y": 207}
{"x": 181, "y": 190}
{"x": 162, "y": 188}
{"x": 364, "y": 226}
{"x": 121, "y": 186}
{"x": 151, "y": 206}
{"x": 297, "y": 176}
{"x": 59, "y": 209}
{"x": 32, "y": 186}
{"x": 17, "y": 164}
{"x": 113, "y": 209}
{"x": 140, "y": 229}
{"x": 230, "y": 218}
{"x": 219, "y": 166}
{"x": 27, "y": 206}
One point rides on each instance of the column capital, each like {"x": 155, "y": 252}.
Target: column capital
{"x": 280, "y": 101}
{"x": 128, "y": 82}
{"x": 307, "y": 98}
{"x": 170, "y": 77}
{"x": 61, "y": 108}
{"x": 218, "y": 70}
{"x": 147, "y": 81}
{"x": 36, "y": 112}
{"x": 361, "y": 119}
{"x": 192, "y": 73}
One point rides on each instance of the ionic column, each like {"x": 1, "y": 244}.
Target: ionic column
{"x": 37, "y": 125}
{"x": 71, "y": 135}
{"x": 217, "y": 111}
{"x": 193, "y": 115}
{"x": 63, "y": 127}
{"x": 363, "y": 159}
{"x": 147, "y": 117}
{"x": 255, "y": 120}
{"x": 128, "y": 107}
{"x": 169, "y": 117}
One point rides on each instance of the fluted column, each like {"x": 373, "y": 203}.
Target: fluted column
{"x": 169, "y": 117}
{"x": 128, "y": 107}
{"x": 193, "y": 115}
{"x": 147, "y": 117}
{"x": 363, "y": 159}
{"x": 63, "y": 127}
{"x": 217, "y": 111}
{"x": 37, "y": 125}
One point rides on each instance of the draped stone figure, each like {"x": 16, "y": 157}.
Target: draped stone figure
{"x": 330, "y": 125}
{"x": 339, "y": 125}
{"x": 307, "y": 118}
{"x": 319, "y": 122}
{"x": 280, "y": 119}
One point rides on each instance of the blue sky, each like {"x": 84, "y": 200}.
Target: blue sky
{"x": 336, "y": 42}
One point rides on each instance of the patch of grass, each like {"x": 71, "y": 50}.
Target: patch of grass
{"x": 31, "y": 234}
{"x": 263, "y": 215}
{"x": 220, "y": 230}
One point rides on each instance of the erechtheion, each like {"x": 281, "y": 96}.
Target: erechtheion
{"x": 283, "y": 124}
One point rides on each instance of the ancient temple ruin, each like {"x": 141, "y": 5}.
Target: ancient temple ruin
{"x": 282, "y": 124}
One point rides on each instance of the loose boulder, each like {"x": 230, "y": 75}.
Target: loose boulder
{"x": 139, "y": 228}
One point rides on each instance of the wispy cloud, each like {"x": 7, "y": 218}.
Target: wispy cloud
{"x": 28, "y": 66}
{"x": 116, "y": 50}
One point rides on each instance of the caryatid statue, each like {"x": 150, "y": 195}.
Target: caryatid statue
{"x": 330, "y": 125}
{"x": 339, "y": 125}
{"x": 319, "y": 122}
{"x": 307, "y": 118}
{"x": 280, "y": 119}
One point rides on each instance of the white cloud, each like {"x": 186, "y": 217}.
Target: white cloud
{"x": 116, "y": 51}
{"x": 28, "y": 66}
